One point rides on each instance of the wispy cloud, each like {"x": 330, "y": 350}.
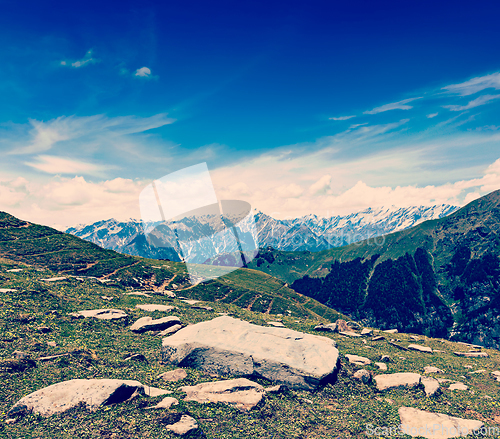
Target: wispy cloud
{"x": 87, "y": 59}
{"x": 341, "y": 118}
{"x": 43, "y": 136}
{"x": 430, "y": 116}
{"x": 60, "y": 165}
{"x": 401, "y": 105}
{"x": 481, "y": 100}
{"x": 475, "y": 85}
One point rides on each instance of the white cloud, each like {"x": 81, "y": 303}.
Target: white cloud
{"x": 481, "y": 100}
{"x": 43, "y": 136}
{"x": 430, "y": 116}
{"x": 144, "y": 72}
{"x": 475, "y": 85}
{"x": 322, "y": 186}
{"x": 60, "y": 165}
{"x": 356, "y": 125}
{"x": 342, "y": 118}
{"x": 291, "y": 190}
{"x": 87, "y": 59}
{"x": 401, "y": 105}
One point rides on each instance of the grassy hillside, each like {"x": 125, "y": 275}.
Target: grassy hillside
{"x": 97, "y": 349}
{"x": 66, "y": 254}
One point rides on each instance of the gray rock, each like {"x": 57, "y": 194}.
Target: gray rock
{"x": 149, "y": 324}
{"x": 138, "y": 293}
{"x": 276, "y": 324}
{"x": 240, "y": 393}
{"x": 65, "y": 395}
{"x": 169, "y": 331}
{"x": 173, "y": 375}
{"x": 363, "y": 375}
{"x": 203, "y": 308}
{"x": 229, "y": 346}
{"x": 417, "y": 347}
{"x": 432, "y": 369}
{"x": 381, "y": 366}
{"x": 356, "y": 359}
{"x": 390, "y": 331}
{"x": 420, "y": 423}
{"x": 350, "y": 334}
{"x": 353, "y": 325}
{"x": 385, "y": 358}
{"x": 378, "y": 338}
{"x": 154, "y": 307}
{"x": 183, "y": 426}
{"x": 431, "y": 386}
{"x": 54, "y": 279}
{"x": 102, "y": 314}
{"x": 401, "y": 379}
{"x": 190, "y": 301}
{"x": 136, "y": 357}
{"x": 366, "y": 331}
{"x": 330, "y": 327}
{"x": 458, "y": 386}
{"x": 165, "y": 403}
{"x": 471, "y": 354}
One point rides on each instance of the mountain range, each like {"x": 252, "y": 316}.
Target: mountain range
{"x": 308, "y": 233}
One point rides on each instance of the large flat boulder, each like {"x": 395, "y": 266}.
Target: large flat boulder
{"x": 420, "y": 423}
{"x": 401, "y": 379}
{"x": 65, "y": 395}
{"x": 240, "y": 393}
{"x": 229, "y": 346}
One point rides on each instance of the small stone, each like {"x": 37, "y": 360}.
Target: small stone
{"x": 381, "y": 366}
{"x": 458, "y": 386}
{"x": 330, "y": 327}
{"x": 154, "y": 307}
{"x": 432, "y": 369}
{"x": 275, "y": 389}
{"x": 471, "y": 354}
{"x": 385, "y": 358}
{"x": 10, "y": 421}
{"x": 44, "y": 329}
{"x": 390, "y": 331}
{"x": 402, "y": 379}
{"x": 416, "y": 347}
{"x": 350, "y": 334}
{"x": 363, "y": 375}
{"x": 183, "y": 426}
{"x": 204, "y": 308}
{"x": 378, "y": 337}
{"x": 356, "y": 359}
{"x": 169, "y": 331}
{"x": 190, "y": 301}
{"x": 153, "y": 392}
{"x": 165, "y": 403}
{"x": 148, "y": 324}
{"x": 276, "y": 324}
{"x": 431, "y": 386}
{"x": 173, "y": 375}
{"x": 20, "y": 355}
{"x": 52, "y": 344}
{"x": 138, "y": 293}
{"x": 366, "y": 331}
{"x": 479, "y": 371}
{"x": 136, "y": 357}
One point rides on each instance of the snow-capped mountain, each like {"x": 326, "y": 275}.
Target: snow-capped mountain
{"x": 311, "y": 233}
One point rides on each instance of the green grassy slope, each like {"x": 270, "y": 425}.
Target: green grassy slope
{"x": 97, "y": 349}
{"x": 66, "y": 254}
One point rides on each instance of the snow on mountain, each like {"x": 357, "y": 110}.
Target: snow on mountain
{"x": 308, "y": 233}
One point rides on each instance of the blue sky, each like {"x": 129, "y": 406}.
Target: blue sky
{"x": 297, "y": 107}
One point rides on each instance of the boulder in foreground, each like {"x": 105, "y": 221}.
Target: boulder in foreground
{"x": 240, "y": 393}
{"x": 65, "y": 395}
{"x": 419, "y": 423}
{"x": 229, "y": 346}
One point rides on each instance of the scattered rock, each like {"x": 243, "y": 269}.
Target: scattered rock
{"x": 7, "y": 290}
{"x": 20, "y": 355}
{"x": 53, "y": 357}
{"x": 378, "y": 337}
{"x": 431, "y": 385}
{"x": 148, "y": 324}
{"x": 414, "y": 337}
{"x": 173, "y": 375}
{"x": 204, "y": 308}
{"x": 136, "y": 357}
{"x": 496, "y": 374}
{"x": 349, "y": 334}
{"x": 138, "y": 293}
{"x": 52, "y": 344}
{"x": 367, "y": 331}
{"x": 165, "y": 403}
{"x": 44, "y": 329}
{"x": 397, "y": 346}
{"x": 154, "y": 307}
{"x": 458, "y": 386}
{"x": 102, "y": 314}
{"x": 330, "y": 327}
{"x": 381, "y": 366}
{"x": 229, "y": 346}
{"x": 153, "y": 392}
{"x": 479, "y": 371}
{"x": 179, "y": 423}
{"x": 341, "y": 326}
{"x": 356, "y": 359}
{"x": 65, "y": 395}
{"x": 275, "y": 389}
{"x": 169, "y": 331}
{"x": 385, "y": 358}
{"x": 390, "y": 331}
{"x": 363, "y": 375}
{"x": 14, "y": 270}
{"x": 353, "y": 325}
{"x": 432, "y": 369}
{"x": 471, "y": 354}
{"x": 107, "y": 297}
{"x": 420, "y": 423}
{"x": 402, "y": 379}
{"x": 190, "y": 301}
{"x": 417, "y": 347}
{"x": 10, "y": 421}
{"x": 54, "y": 279}
{"x": 240, "y": 393}
{"x": 276, "y": 324}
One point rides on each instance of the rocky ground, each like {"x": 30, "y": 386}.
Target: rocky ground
{"x": 80, "y": 358}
